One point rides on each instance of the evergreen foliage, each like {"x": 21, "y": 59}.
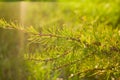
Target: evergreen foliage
{"x": 88, "y": 52}
{"x": 68, "y": 41}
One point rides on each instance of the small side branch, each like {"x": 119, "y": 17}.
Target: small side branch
{"x": 59, "y": 36}
{"x": 70, "y": 63}
{"x": 94, "y": 69}
{"x": 52, "y": 59}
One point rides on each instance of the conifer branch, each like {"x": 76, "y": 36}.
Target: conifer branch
{"x": 71, "y": 63}
{"x": 58, "y": 36}
{"x": 85, "y": 71}
{"x": 6, "y": 25}
{"x": 95, "y": 69}
{"x": 51, "y": 59}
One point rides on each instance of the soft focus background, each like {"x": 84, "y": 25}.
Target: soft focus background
{"x": 45, "y": 14}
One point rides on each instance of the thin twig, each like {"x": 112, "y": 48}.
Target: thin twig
{"x": 94, "y": 69}
{"x": 59, "y": 36}
{"x": 70, "y": 63}
{"x": 78, "y": 73}
{"x": 52, "y": 59}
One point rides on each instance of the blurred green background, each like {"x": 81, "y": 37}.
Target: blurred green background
{"x": 40, "y": 14}
{"x": 12, "y": 65}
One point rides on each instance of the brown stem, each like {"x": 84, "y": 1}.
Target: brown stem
{"x": 70, "y": 63}
{"x": 51, "y": 59}
{"x": 58, "y": 36}
{"x": 94, "y": 69}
